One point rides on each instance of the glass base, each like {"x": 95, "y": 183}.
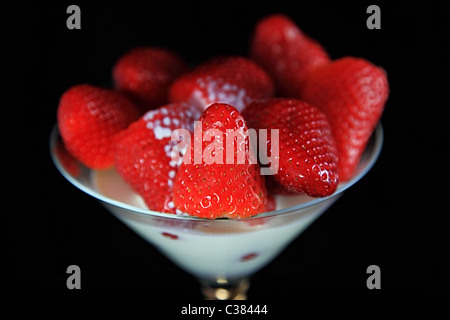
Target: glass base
{"x": 225, "y": 290}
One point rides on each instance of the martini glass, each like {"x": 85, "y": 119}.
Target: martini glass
{"x": 223, "y": 253}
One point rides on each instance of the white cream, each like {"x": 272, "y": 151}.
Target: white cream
{"x": 211, "y": 249}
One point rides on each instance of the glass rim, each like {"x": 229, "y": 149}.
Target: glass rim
{"x": 368, "y": 159}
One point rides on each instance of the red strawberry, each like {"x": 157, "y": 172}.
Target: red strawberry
{"x": 143, "y": 156}
{"x": 232, "y": 80}
{"x": 145, "y": 74}
{"x": 88, "y": 119}
{"x": 352, "y": 93}
{"x": 307, "y": 152}
{"x": 286, "y": 53}
{"x": 220, "y": 185}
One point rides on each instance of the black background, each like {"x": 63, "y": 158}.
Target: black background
{"x": 393, "y": 218}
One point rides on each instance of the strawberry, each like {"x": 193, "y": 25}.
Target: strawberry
{"x": 143, "y": 154}
{"x": 232, "y": 80}
{"x": 88, "y": 119}
{"x": 306, "y": 149}
{"x": 286, "y": 53}
{"x": 218, "y": 185}
{"x": 145, "y": 74}
{"x": 352, "y": 93}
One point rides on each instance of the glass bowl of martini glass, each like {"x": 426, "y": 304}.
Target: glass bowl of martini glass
{"x": 223, "y": 253}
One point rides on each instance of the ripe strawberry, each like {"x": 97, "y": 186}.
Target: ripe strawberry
{"x": 232, "y": 80}
{"x": 286, "y": 53}
{"x": 220, "y": 185}
{"x": 88, "y": 119}
{"x": 352, "y": 93}
{"x": 145, "y": 74}
{"x": 307, "y": 152}
{"x": 143, "y": 156}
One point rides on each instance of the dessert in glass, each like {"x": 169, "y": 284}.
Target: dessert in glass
{"x": 222, "y": 253}
{"x": 215, "y": 218}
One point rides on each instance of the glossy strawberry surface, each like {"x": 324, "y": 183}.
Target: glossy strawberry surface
{"x": 221, "y": 184}
{"x": 286, "y": 53}
{"x": 233, "y": 80}
{"x": 352, "y": 92}
{"x": 144, "y": 153}
{"x": 306, "y": 149}
{"x": 145, "y": 74}
{"x": 89, "y": 117}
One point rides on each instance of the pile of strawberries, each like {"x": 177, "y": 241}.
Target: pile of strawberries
{"x": 325, "y": 111}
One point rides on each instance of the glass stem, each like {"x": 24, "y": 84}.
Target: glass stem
{"x": 225, "y": 290}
